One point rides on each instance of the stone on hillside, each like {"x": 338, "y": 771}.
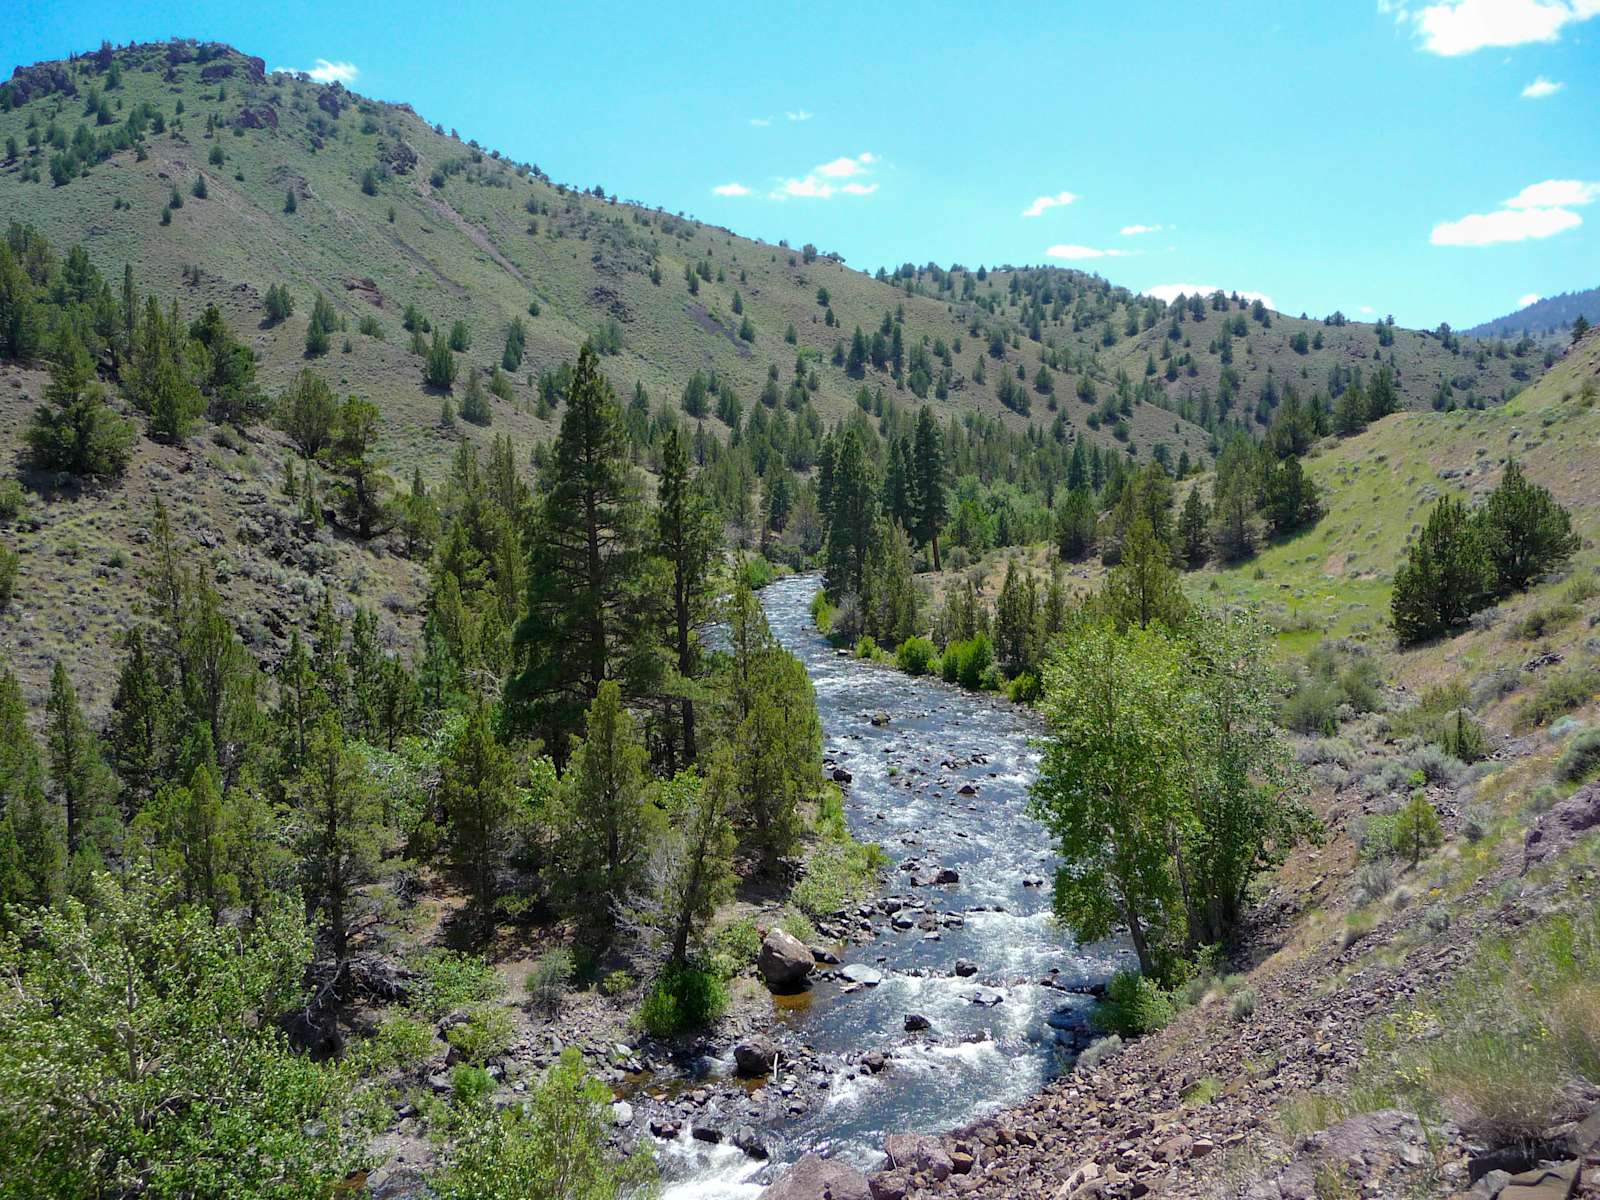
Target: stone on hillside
{"x": 784, "y": 961}
{"x": 1561, "y": 826}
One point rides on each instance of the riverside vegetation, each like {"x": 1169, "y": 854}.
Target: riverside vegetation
{"x": 400, "y": 670}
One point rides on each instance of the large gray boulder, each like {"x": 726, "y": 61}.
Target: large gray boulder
{"x": 918, "y": 1152}
{"x": 754, "y": 1056}
{"x": 784, "y": 961}
{"x": 1563, "y": 825}
{"x": 817, "y": 1178}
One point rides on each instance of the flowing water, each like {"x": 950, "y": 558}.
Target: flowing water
{"x": 906, "y": 796}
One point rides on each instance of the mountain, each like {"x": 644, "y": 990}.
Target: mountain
{"x": 1544, "y": 320}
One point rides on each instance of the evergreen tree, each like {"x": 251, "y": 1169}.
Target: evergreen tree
{"x": 78, "y": 774}
{"x": 1143, "y": 587}
{"x": 1194, "y": 531}
{"x": 1076, "y": 522}
{"x": 852, "y": 512}
{"x": 335, "y": 822}
{"x": 686, "y": 538}
{"x": 33, "y": 847}
{"x": 931, "y": 495}
{"x": 363, "y": 487}
{"x": 307, "y": 412}
{"x": 697, "y": 871}
{"x": 588, "y": 575}
{"x": 474, "y": 402}
{"x": 1447, "y": 576}
{"x": 479, "y": 797}
{"x": 605, "y": 820}
{"x": 1526, "y": 533}
{"x": 159, "y": 381}
{"x": 75, "y": 430}
{"x": 439, "y": 367}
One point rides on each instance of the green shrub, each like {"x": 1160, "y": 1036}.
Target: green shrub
{"x": 10, "y": 564}
{"x": 13, "y": 500}
{"x": 399, "y": 1041}
{"x": 550, "y": 978}
{"x": 1560, "y": 693}
{"x": 822, "y": 612}
{"x": 915, "y": 655}
{"x": 757, "y": 572}
{"x": 1242, "y": 1005}
{"x": 1546, "y": 619}
{"x": 734, "y": 947}
{"x": 967, "y": 662}
{"x": 866, "y": 648}
{"x": 470, "y": 1085}
{"x": 615, "y": 983}
{"x": 486, "y": 1032}
{"x": 1581, "y": 759}
{"x": 1132, "y": 1005}
{"x": 682, "y": 999}
{"x": 1098, "y": 1052}
{"x": 1024, "y": 689}
{"x": 449, "y": 981}
{"x": 836, "y": 875}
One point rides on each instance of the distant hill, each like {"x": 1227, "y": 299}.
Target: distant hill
{"x": 1551, "y": 317}
{"x": 390, "y": 212}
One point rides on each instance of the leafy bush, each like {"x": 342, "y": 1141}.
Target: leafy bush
{"x": 550, "y": 978}
{"x": 682, "y": 999}
{"x": 866, "y": 647}
{"x": 1544, "y": 620}
{"x": 1098, "y": 1052}
{"x": 1581, "y": 759}
{"x": 399, "y": 1041}
{"x": 1560, "y": 693}
{"x": 486, "y": 1032}
{"x": 966, "y": 662}
{"x": 1435, "y": 765}
{"x": 837, "y": 874}
{"x": 915, "y": 655}
{"x": 615, "y": 983}
{"x": 757, "y": 572}
{"x": 449, "y": 981}
{"x": 1024, "y": 689}
{"x": 13, "y": 501}
{"x": 734, "y": 947}
{"x": 1132, "y": 1005}
{"x": 1375, "y": 879}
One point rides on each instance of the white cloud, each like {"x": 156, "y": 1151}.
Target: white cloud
{"x": 1171, "y": 291}
{"x": 1074, "y": 253}
{"x": 1135, "y": 230}
{"x": 730, "y": 189}
{"x": 761, "y": 122}
{"x": 1539, "y": 210}
{"x": 799, "y": 114}
{"x": 1037, "y": 208}
{"x": 327, "y": 72}
{"x": 1540, "y": 88}
{"x": 1454, "y": 27}
{"x": 818, "y": 183}
{"x": 1555, "y": 193}
{"x": 1530, "y": 298}
{"x": 845, "y": 166}
{"x": 1366, "y": 310}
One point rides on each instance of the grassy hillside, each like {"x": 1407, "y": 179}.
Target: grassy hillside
{"x": 1378, "y": 486}
{"x": 390, "y": 211}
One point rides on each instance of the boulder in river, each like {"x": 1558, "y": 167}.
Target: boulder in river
{"x": 754, "y": 1056}
{"x": 987, "y": 997}
{"x": 818, "y": 1178}
{"x": 966, "y": 968}
{"x": 861, "y": 973}
{"x": 745, "y": 1138}
{"x": 917, "y": 1023}
{"x": 840, "y": 775}
{"x": 784, "y": 961}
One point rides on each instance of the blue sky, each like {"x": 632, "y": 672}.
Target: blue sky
{"x": 1437, "y": 161}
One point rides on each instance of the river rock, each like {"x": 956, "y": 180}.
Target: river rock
{"x": 818, "y": 1178}
{"x": 947, "y": 875}
{"x": 986, "y": 997}
{"x": 917, "y": 1023}
{"x": 706, "y": 1133}
{"x": 861, "y": 973}
{"x": 754, "y": 1056}
{"x": 840, "y": 775}
{"x": 784, "y": 961}
{"x": 919, "y": 1152}
{"x": 622, "y": 1113}
{"x": 965, "y": 968}
{"x": 746, "y": 1139}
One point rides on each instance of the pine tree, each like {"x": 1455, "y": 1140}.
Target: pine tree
{"x": 603, "y": 826}
{"x": 75, "y": 430}
{"x": 478, "y": 794}
{"x": 33, "y": 847}
{"x": 78, "y": 775}
{"x": 474, "y": 403}
{"x": 1143, "y": 587}
{"x": 931, "y": 493}
{"x": 588, "y": 575}
{"x": 698, "y": 871}
{"x": 363, "y": 486}
{"x": 1526, "y": 533}
{"x": 439, "y": 367}
{"x": 686, "y": 537}
{"x": 1076, "y": 522}
{"x": 1194, "y": 533}
{"x": 159, "y": 381}
{"x": 1447, "y": 576}
{"x": 335, "y": 822}
{"x": 852, "y": 511}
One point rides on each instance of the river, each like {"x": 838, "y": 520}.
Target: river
{"x": 906, "y": 795}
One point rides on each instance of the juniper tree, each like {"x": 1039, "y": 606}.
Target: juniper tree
{"x": 75, "y": 430}
{"x": 1525, "y": 532}
{"x": 1447, "y": 576}
{"x": 686, "y": 538}
{"x": 931, "y": 495}
{"x": 478, "y": 794}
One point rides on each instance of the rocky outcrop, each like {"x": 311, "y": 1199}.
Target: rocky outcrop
{"x": 818, "y": 1178}
{"x": 1563, "y": 825}
{"x": 784, "y": 961}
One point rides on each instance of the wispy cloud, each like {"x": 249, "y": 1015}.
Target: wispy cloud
{"x": 327, "y": 72}
{"x": 761, "y": 122}
{"x": 1074, "y": 253}
{"x": 1530, "y": 298}
{"x": 1136, "y": 230}
{"x": 799, "y": 114}
{"x": 1455, "y": 27}
{"x": 730, "y": 189}
{"x": 1540, "y": 88}
{"x": 1038, "y": 207}
{"x": 820, "y": 183}
{"x": 1539, "y": 210}
{"x": 1171, "y": 291}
